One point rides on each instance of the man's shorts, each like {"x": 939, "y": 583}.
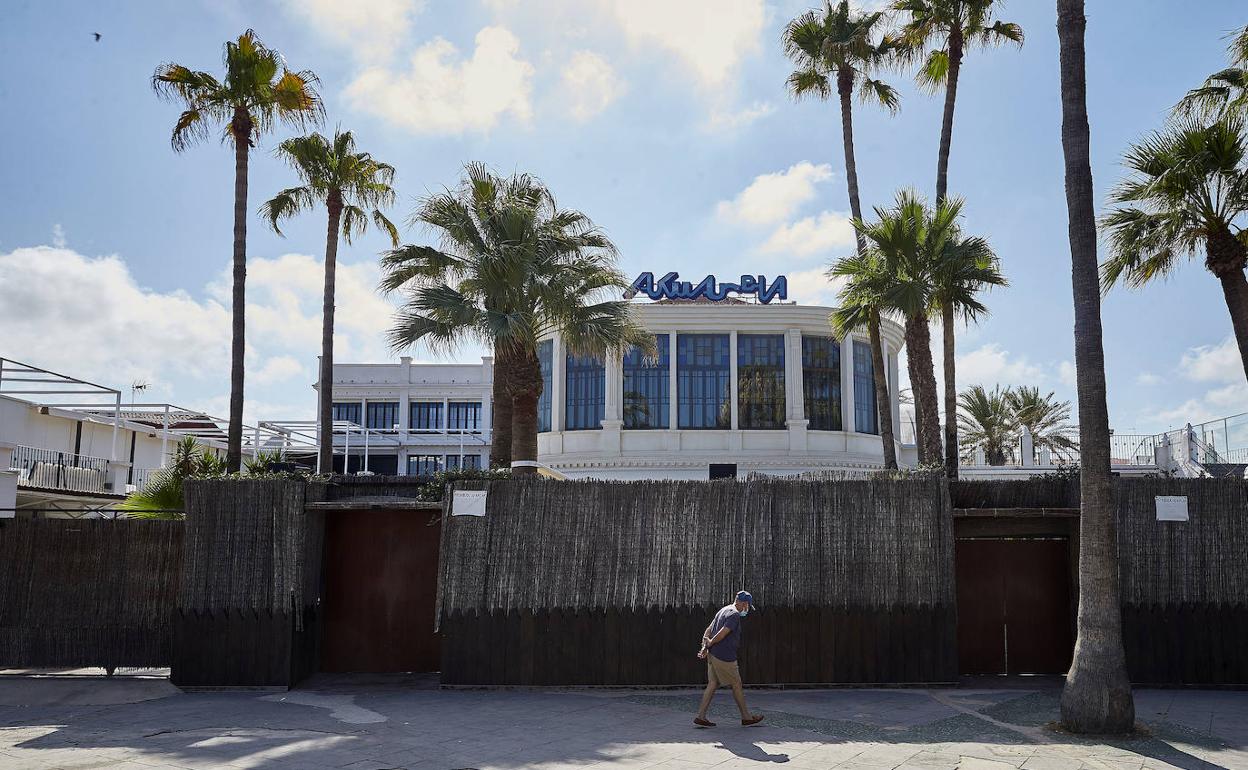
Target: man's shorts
{"x": 721, "y": 672}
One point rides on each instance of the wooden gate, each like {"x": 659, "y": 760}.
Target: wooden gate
{"x": 381, "y": 576}
{"x": 1013, "y": 605}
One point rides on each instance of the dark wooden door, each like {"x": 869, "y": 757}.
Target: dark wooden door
{"x": 380, "y": 583}
{"x": 1013, "y": 605}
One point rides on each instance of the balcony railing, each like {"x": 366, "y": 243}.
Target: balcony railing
{"x": 52, "y": 469}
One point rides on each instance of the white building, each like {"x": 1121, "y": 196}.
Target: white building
{"x": 757, "y": 387}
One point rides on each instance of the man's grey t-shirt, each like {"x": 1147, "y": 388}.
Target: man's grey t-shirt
{"x": 726, "y": 649}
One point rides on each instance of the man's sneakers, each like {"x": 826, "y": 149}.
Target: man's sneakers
{"x": 700, "y": 722}
{"x": 752, "y": 720}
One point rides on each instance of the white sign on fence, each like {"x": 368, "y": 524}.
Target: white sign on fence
{"x": 1171, "y": 508}
{"x": 468, "y": 502}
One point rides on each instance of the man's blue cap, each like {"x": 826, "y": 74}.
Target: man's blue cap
{"x": 744, "y": 596}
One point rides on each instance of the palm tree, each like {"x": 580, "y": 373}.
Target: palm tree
{"x": 1187, "y": 192}
{"x": 161, "y": 497}
{"x": 1097, "y": 695}
{"x": 840, "y": 44}
{"x": 862, "y": 302}
{"x": 912, "y": 239}
{"x": 946, "y": 30}
{"x": 256, "y": 92}
{"x": 1046, "y": 419}
{"x": 512, "y": 268}
{"x": 988, "y": 421}
{"x": 1224, "y": 93}
{"x": 966, "y": 267}
{"x": 354, "y": 187}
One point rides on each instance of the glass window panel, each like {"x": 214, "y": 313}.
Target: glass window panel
{"x": 647, "y": 386}
{"x": 703, "y": 381}
{"x": 545, "y": 356}
{"x": 423, "y": 465}
{"x": 585, "y": 393}
{"x": 347, "y": 412}
{"x": 865, "y": 416}
{"x": 760, "y": 381}
{"x": 383, "y": 415}
{"x": 467, "y": 462}
{"x": 426, "y": 415}
{"x": 821, "y": 382}
{"x": 464, "y": 416}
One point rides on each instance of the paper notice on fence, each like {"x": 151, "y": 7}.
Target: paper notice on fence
{"x": 468, "y": 502}
{"x": 1171, "y": 508}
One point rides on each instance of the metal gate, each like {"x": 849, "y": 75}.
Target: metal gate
{"x": 381, "y": 576}
{"x": 1014, "y": 610}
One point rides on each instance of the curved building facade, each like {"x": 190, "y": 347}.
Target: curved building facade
{"x": 734, "y": 388}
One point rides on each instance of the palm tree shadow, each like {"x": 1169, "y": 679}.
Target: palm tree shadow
{"x": 747, "y": 749}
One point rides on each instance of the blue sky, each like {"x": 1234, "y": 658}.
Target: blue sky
{"x": 668, "y": 125}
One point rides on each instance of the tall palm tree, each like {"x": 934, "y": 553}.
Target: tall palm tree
{"x": 1224, "y": 92}
{"x": 256, "y": 92}
{"x": 841, "y": 44}
{"x": 946, "y": 30}
{"x": 1097, "y": 695}
{"x": 965, "y": 267}
{"x": 988, "y": 421}
{"x": 912, "y": 238}
{"x": 512, "y": 268}
{"x": 1045, "y": 418}
{"x": 1187, "y": 193}
{"x": 354, "y": 188}
{"x": 862, "y": 303}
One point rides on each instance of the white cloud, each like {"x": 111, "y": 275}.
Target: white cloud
{"x": 58, "y": 236}
{"x": 811, "y": 235}
{"x": 589, "y": 85}
{"x": 730, "y": 120}
{"x": 813, "y": 287}
{"x": 710, "y": 37}
{"x": 279, "y": 369}
{"x": 369, "y": 29}
{"x": 991, "y": 365}
{"x": 1067, "y": 375}
{"x": 1147, "y": 379}
{"x": 441, "y": 92}
{"x": 775, "y": 197}
{"x": 1213, "y": 363}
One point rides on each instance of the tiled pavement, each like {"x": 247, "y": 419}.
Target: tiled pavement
{"x": 383, "y": 724}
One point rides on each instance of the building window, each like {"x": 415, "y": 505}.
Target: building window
{"x": 584, "y": 393}
{"x": 383, "y": 415}
{"x": 426, "y": 415}
{"x": 647, "y": 386}
{"x": 347, "y": 412}
{"x": 464, "y": 416}
{"x": 469, "y": 462}
{"x": 865, "y": 415}
{"x": 545, "y": 357}
{"x": 703, "y": 381}
{"x": 423, "y": 465}
{"x": 760, "y": 381}
{"x": 821, "y": 382}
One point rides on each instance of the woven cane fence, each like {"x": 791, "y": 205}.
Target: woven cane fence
{"x": 246, "y": 606}
{"x": 1184, "y": 584}
{"x": 88, "y": 592}
{"x": 599, "y": 582}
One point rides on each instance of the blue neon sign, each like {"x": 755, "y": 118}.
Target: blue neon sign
{"x": 669, "y": 287}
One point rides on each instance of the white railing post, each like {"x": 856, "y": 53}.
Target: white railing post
{"x": 1026, "y": 447}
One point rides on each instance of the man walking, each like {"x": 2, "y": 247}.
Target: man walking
{"x": 719, "y": 647}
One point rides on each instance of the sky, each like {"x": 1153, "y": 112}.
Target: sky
{"x": 667, "y": 123}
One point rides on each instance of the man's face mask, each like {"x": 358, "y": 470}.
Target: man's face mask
{"x": 744, "y": 612}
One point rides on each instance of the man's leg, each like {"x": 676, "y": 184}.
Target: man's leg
{"x": 709, "y": 692}
{"x": 738, "y": 694}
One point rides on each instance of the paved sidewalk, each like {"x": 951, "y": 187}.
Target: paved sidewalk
{"x": 382, "y": 724}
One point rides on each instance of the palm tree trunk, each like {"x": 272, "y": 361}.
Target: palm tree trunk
{"x": 946, "y": 122}
{"x": 1225, "y": 257}
{"x": 500, "y": 425}
{"x": 883, "y": 404}
{"x": 923, "y": 380}
{"x": 325, "y": 381}
{"x": 526, "y": 389}
{"x": 240, "y": 127}
{"x": 1097, "y": 695}
{"x": 951, "y": 393}
{"x": 845, "y": 89}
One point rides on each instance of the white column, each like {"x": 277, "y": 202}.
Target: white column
{"x": 558, "y": 366}
{"x": 847, "y": 384}
{"x": 613, "y": 368}
{"x": 795, "y": 404}
{"x": 487, "y": 399}
{"x": 894, "y": 391}
{"x": 732, "y": 368}
{"x": 405, "y": 398}
{"x": 673, "y": 406}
